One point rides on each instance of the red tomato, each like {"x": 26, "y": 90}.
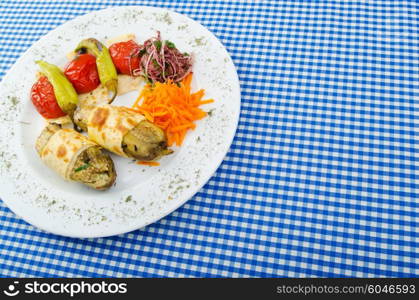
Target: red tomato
{"x": 43, "y": 98}
{"x": 122, "y": 56}
{"x": 82, "y": 73}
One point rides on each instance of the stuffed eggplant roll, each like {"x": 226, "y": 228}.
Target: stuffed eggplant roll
{"x": 123, "y": 131}
{"x": 75, "y": 158}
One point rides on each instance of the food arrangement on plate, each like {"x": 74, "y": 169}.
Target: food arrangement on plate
{"x": 104, "y": 124}
{"x": 82, "y": 124}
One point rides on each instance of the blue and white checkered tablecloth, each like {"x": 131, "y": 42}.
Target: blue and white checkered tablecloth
{"x": 321, "y": 179}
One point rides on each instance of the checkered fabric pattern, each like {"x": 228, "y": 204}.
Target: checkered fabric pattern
{"x": 321, "y": 179}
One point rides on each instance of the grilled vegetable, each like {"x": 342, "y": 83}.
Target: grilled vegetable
{"x": 75, "y": 158}
{"x": 125, "y": 56}
{"x": 145, "y": 142}
{"x": 82, "y": 73}
{"x": 43, "y": 98}
{"x": 64, "y": 92}
{"x": 106, "y": 69}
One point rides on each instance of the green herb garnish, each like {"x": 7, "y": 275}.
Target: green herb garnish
{"x": 147, "y": 79}
{"x": 170, "y": 45}
{"x": 83, "y": 167}
{"x": 158, "y": 45}
{"x": 185, "y": 54}
{"x": 155, "y": 63}
{"x": 200, "y": 41}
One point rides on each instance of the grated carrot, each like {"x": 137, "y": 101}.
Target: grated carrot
{"x": 149, "y": 163}
{"x": 172, "y": 107}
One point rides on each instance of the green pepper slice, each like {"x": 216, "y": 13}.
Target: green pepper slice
{"x": 64, "y": 91}
{"x": 106, "y": 69}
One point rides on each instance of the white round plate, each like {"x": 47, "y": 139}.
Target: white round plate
{"x": 142, "y": 194}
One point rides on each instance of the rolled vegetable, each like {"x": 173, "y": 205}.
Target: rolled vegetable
{"x": 64, "y": 91}
{"x": 106, "y": 69}
{"x": 124, "y": 132}
{"x": 75, "y": 158}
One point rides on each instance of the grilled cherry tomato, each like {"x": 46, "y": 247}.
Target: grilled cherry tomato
{"x": 43, "y": 98}
{"x": 125, "y": 56}
{"x": 82, "y": 73}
